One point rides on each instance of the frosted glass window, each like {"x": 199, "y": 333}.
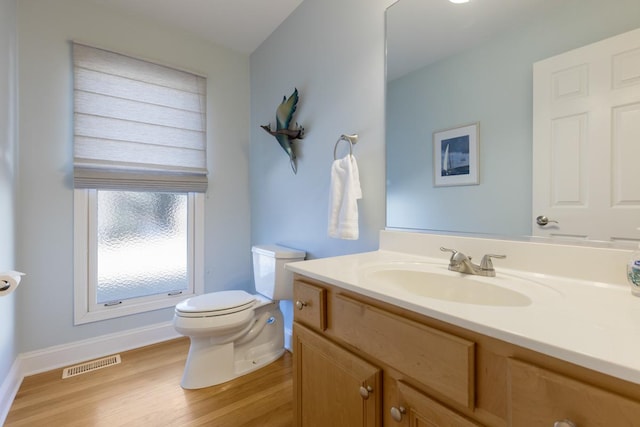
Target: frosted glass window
{"x": 142, "y": 245}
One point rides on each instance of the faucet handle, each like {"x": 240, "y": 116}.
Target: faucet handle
{"x": 456, "y": 256}
{"x": 486, "y": 263}
{"x": 453, "y": 251}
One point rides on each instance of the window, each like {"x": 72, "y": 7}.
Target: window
{"x": 141, "y": 244}
{"x": 139, "y": 178}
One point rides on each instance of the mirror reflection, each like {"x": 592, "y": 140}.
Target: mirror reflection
{"x": 451, "y": 65}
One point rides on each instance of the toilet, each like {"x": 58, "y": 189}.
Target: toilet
{"x": 234, "y": 332}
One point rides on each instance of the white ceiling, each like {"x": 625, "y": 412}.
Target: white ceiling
{"x": 241, "y": 25}
{"x": 421, "y": 31}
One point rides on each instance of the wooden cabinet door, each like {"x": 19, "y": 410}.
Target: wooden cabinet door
{"x": 415, "y": 409}
{"x": 333, "y": 387}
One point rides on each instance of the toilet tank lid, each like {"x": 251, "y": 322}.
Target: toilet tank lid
{"x": 277, "y": 251}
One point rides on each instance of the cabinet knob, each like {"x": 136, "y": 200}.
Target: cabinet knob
{"x": 397, "y": 413}
{"x": 564, "y": 423}
{"x": 365, "y": 391}
{"x": 300, "y": 304}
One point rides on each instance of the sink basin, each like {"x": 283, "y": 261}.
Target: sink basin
{"x": 437, "y": 282}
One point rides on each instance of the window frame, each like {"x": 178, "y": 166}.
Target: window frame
{"x": 85, "y": 258}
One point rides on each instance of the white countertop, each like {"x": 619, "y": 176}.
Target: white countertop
{"x": 592, "y": 324}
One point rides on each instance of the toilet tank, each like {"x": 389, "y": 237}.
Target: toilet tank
{"x": 270, "y": 277}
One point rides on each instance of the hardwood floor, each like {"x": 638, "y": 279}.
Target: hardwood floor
{"x": 144, "y": 390}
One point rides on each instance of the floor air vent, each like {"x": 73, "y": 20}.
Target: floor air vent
{"x": 92, "y": 365}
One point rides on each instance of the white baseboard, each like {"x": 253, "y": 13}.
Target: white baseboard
{"x": 9, "y": 388}
{"x": 63, "y": 355}
{"x": 287, "y": 339}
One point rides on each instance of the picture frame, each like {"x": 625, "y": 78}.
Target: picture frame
{"x": 455, "y": 156}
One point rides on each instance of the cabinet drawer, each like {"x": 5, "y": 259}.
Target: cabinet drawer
{"x": 309, "y": 305}
{"x": 538, "y": 397}
{"x": 417, "y": 409}
{"x": 442, "y": 362}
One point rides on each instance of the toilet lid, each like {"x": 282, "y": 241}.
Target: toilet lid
{"x": 216, "y": 303}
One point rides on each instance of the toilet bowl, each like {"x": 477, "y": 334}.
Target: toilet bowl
{"x": 234, "y": 332}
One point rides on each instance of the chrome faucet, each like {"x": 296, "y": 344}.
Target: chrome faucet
{"x": 461, "y": 263}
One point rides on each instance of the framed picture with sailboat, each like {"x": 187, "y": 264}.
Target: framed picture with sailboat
{"x": 455, "y": 156}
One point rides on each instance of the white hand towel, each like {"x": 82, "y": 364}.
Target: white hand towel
{"x": 343, "y": 196}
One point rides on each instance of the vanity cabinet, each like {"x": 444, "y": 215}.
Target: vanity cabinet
{"x": 341, "y": 347}
{"x": 361, "y": 361}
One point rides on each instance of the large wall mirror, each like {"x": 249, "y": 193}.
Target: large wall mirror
{"x": 450, "y": 65}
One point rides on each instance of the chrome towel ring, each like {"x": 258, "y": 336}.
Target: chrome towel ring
{"x": 351, "y": 139}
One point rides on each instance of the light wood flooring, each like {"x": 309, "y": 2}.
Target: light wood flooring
{"x": 144, "y": 390}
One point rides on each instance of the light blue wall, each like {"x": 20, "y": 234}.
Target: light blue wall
{"x": 491, "y": 84}
{"x": 8, "y": 344}
{"x": 45, "y": 196}
{"x": 333, "y": 52}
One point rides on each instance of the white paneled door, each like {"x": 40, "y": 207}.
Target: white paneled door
{"x": 586, "y": 141}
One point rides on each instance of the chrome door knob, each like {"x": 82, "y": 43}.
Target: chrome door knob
{"x": 543, "y": 220}
{"x": 397, "y": 413}
{"x": 300, "y": 304}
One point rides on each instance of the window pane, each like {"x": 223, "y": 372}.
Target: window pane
{"x": 142, "y": 244}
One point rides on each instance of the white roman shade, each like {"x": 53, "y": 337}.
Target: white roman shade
{"x": 137, "y": 125}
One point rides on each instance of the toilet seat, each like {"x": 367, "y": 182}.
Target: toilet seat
{"x": 215, "y": 304}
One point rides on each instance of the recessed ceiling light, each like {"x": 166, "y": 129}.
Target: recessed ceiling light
{"x": 459, "y": 1}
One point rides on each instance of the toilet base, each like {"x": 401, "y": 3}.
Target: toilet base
{"x": 211, "y": 364}
{"x": 244, "y": 367}
{"x": 201, "y": 374}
